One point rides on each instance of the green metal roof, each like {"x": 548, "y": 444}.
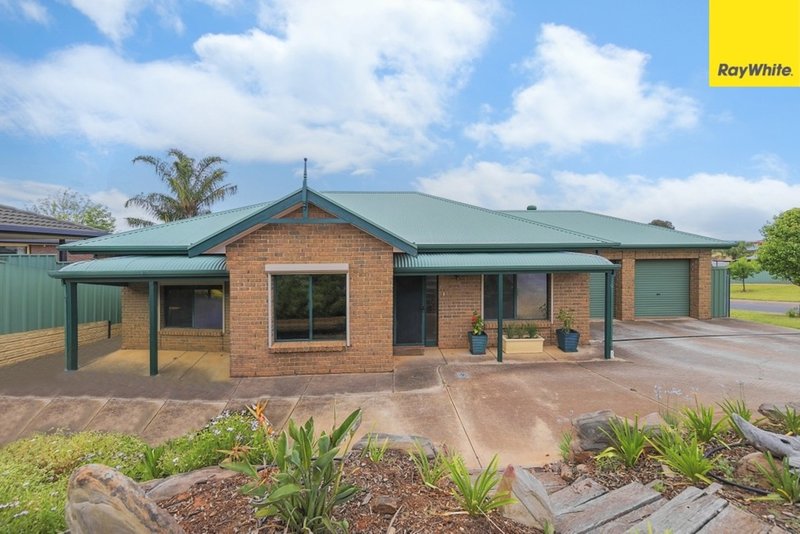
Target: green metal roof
{"x": 145, "y": 268}
{"x": 629, "y": 234}
{"x": 500, "y": 262}
{"x": 439, "y": 224}
{"x": 170, "y": 238}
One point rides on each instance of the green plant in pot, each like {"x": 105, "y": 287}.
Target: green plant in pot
{"x": 566, "y": 337}
{"x": 477, "y": 336}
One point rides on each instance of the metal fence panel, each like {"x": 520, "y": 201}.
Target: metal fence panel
{"x": 31, "y": 300}
{"x": 720, "y": 292}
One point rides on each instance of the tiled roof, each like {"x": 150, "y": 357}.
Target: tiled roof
{"x": 21, "y": 221}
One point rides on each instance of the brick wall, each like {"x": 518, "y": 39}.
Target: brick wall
{"x": 136, "y": 326}
{"x": 370, "y": 264}
{"x": 625, "y": 290}
{"x": 459, "y": 295}
{"x": 26, "y": 345}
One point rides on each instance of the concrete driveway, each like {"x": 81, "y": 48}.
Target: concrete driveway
{"x": 517, "y": 409}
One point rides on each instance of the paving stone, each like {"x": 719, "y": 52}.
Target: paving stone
{"x": 176, "y": 418}
{"x": 71, "y": 414}
{"x": 129, "y": 416}
{"x": 17, "y": 412}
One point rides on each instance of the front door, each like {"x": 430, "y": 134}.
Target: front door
{"x": 409, "y": 310}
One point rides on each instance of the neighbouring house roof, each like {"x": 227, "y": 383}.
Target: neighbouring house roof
{"x": 629, "y": 234}
{"x": 499, "y": 262}
{"x": 411, "y": 222}
{"x": 21, "y": 224}
{"x": 122, "y": 268}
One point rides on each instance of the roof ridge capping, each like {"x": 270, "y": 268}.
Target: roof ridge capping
{"x": 508, "y": 215}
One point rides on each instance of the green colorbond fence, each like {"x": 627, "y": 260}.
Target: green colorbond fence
{"x": 720, "y": 292}
{"x": 31, "y": 300}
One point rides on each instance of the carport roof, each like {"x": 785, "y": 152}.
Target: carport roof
{"x": 500, "y": 262}
{"x": 124, "y": 268}
{"x": 629, "y": 234}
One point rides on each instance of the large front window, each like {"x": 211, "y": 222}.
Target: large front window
{"x": 525, "y": 296}
{"x": 193, "y": 307}
{"x": 309, "y": 307}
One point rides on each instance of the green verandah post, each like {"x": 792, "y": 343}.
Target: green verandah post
{"x": 500, "y": 317}
{"x": 153, "y": 302}
{"x": 608, "y": 342}
{"x": 71, "y": 326}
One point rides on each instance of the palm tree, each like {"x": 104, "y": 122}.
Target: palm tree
{"x": 195, "y": 187}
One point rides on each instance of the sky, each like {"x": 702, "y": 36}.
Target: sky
{"x": 599, "y": 105}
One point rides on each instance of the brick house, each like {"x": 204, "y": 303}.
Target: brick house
{"x": 338, "y": 282}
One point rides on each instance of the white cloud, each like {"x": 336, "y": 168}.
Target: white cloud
{"x": 584, "y": 93}
{"x": 116, "y": 19}
{"x": 770, "y": 164}
{"x": 22, "y": 193}
{"x": 485, "y": 183}
{"x": 717, "y": 205}
{"x": 34, "y": 11}
{"x": 347, "y": 84}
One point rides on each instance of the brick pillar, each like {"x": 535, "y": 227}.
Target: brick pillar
{"x": 625, "y": 297}
{"x": 700, "y": 286}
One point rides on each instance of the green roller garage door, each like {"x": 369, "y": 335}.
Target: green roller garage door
{"x": 662, "y": 288}
{"x": 597, "y": 295}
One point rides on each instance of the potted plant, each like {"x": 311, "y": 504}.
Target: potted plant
{"x": 477, "y": 336}
{"x": 522, "y": 339}
{"x": 566, "y": 337}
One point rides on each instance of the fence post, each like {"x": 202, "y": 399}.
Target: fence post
{"x": 71, "y": 326}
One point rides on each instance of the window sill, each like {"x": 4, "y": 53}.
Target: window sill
{"x": 282, "y": 347}
{"x": 198, "y": 332}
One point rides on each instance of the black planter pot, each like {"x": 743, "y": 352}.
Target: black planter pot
{"x": 477, "y": 343}
{"x": 568, "y": 340}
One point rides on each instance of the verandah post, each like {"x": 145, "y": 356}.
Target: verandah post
{"x": 499, "y": 317}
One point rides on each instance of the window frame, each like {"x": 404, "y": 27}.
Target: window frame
{"x": 310, "y": 269}
{"x": 193, "y": 285}
{"x": 25, "y": 247}
{"x": 549, "y": 292}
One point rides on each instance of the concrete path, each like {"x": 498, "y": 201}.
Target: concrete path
{"x": 767, "y": 306}
{"x": 518, "y": 409}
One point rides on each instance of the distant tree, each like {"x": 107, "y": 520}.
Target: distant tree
{"x": 742, "y": 269}
{"x": 193, "y": 186}
{"x": 779, "y": 254}
{"x": 662, "y": 223}
{"x": 739, "y": 250}
{"x": 69, "y": 205}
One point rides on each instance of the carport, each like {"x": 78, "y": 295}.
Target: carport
{"x": 500, "y": 263}
{"x": 124, "y": 270}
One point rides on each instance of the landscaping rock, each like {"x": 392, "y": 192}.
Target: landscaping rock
{"x": 567, "y": 473}
{"x": 651, "y": 423}
{"x": 165, "y": 488}
{"x": 101, "y": 499}
{"x": 772, "y": 411}
{"x": 533, "y": 507}
{"x": 590, "y": 427}
{"x": 747, "y": 468}
{"x": 385, "y": 504}
{"x": 397, "y": 442}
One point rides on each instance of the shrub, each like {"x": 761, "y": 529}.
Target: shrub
{"x": 784, "y": 482}
{"x": 682, "y": 455}
{"x": 308, "y": 482}
{"x": 565, "y": 446}
{"x": 34, "y": 474}
{"x": 475, "y": 497}
{"x": 628, "y": 441}
{"x": 430, "y": 471}
{"x": 229, "y": 434}
{"x": 700, "y": 422}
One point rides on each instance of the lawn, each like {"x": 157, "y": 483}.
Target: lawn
{"x": 779, "y": 292}
{"x": 777, "y": 319}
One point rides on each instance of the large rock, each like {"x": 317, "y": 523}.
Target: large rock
{"x": 165, "y": 488}
{"x": 401, "y": 442}
{"x": 591, "y": 429}
{"x": 533, "y": 507}
{"x": 772, "y": 411}
{"x": 101, "y": 499}
{"x": 747, "y": 468}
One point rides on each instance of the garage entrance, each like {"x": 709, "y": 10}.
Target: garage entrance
{"x": 662, "y": 288}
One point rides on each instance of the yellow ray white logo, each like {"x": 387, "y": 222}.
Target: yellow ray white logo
{"x": 754, "y": 43}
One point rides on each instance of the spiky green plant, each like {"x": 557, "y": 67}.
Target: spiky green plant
{"x": 738, "y": 407}
{"x": 627, "y": 441}
{"x": 683, "y": 455}
{"x": 784, "y": 482}
{"x": 430, "y": 471}
{"x": 790, "y": 420}
{"x": 373, "y": 450}
{"x": 475, "y": 497}
{"x": 700, "y": 422}
{"x": 565, "y": 446}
